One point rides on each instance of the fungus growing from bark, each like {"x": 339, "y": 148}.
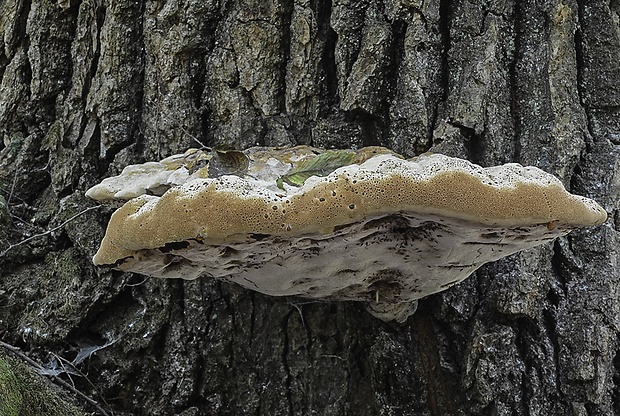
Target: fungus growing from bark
{"x": 361, "y": 225}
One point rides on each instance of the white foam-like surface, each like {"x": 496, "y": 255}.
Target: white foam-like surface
{"x": 157, "y": 177}
{"x": 378, "y": 168}
{"x": 136, "y": 180}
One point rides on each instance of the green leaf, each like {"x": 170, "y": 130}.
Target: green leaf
{"x": 320, "y": 165}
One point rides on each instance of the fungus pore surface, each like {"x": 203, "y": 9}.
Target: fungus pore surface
{"x": 381, "y": 230}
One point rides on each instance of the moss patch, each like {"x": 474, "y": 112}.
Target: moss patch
{"x": 10, "y": 394}
{"x": 25, "y": 393}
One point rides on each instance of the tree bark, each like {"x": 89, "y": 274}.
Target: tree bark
{"x": 88, "y": 87}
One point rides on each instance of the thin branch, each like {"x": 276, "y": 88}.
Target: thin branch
{"x": 139, "y": 283}
{"x": 301, "y": 314}
{"x": 21, "y": 355}
{"x": 331, "y": 356}
{"x": 8, "y": 201}
{"x": 48, "y": 232}
{"x": 61, "y": 361}
{"x": 196, "y": 140}
{"x": 80, "y": 373}
{"x": 23, "y": 221}
{"x": 8, "y": 194}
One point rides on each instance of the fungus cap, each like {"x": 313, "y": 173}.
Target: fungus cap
{"x": 382, "y": 230}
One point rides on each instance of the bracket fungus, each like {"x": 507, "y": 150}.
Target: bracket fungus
{"x": 363, "y": 225}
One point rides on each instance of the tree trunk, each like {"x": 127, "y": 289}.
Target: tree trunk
{"x": 89, "y": 87}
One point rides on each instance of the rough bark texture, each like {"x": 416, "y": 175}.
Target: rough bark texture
{"x": 90, "y": 86}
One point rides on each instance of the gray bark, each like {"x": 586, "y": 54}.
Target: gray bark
{"x": 88, "y": 87}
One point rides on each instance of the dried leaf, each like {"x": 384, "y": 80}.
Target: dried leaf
{"x": 228, "y": 162}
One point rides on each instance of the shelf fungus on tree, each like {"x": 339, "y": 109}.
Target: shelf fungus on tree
{"x": 362, "y": 225}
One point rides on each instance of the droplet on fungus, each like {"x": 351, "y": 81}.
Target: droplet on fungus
{"x": 398, "y": 231}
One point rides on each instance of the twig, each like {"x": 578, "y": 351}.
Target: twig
{"x": 137, "y": 284}
{"x": 196, "y": 140}
{"x": 331, "y": 356}
{"x": 48, "y": 232}
{"x": 301, "y": 314}
{"x": 21, "y": 355}
{"x": 56, "y": 379}
{"x": 80, "y": 373}
{"x": 8, "y": 191}
{"x": 62, "y": 361}
{"x": 8, "y": 201}
{"x": 23, "y": 221}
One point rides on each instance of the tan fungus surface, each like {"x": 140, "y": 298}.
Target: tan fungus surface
{"x": 523, "y": 205}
